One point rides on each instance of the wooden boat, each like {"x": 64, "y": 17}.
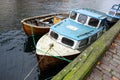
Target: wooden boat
{"x": 68, "y": 38}
{"x": 114, "y": 13}
{"x": 40, "y": 25}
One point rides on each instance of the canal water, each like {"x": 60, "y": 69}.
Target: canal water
{"x": 16, "y": 62}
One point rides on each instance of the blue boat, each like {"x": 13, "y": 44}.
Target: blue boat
{"x": 69, "y": 37}
{"x": 114, "y": 13}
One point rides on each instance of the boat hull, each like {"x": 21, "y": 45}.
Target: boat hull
{"x": 47, "y": 63}
{"x": 112, "y": 19}
{"x": 40, "y": 25}
{"x": 55, "y": 56}
{"x": 29, "y": 30}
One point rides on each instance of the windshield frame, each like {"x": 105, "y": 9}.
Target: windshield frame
{"x": 71, "y": 15}
{"x": 86, "y": 21}
{"x": 82, "y": 21}
{"x": 98, "y": 24}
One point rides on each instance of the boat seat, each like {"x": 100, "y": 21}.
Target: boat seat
{"x": 58, "y": 18}
{"x": 39, "y": 22}
{"x": 44, "y": 19}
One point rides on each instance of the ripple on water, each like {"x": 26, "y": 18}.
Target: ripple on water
{"x": 14, "y": 62}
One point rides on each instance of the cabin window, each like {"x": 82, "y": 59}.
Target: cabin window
{"x": 54, "y": 35}
{"x": 93, "y": 22}
{"x": 111, "y": 13}
{"x": 118, "y": 14}
{"x": 73, "y": 15}
{"x": 67, "y": 41}
{"x": 83, "y": 42}
{"x": 82, "y": 18}
{"x": 93, "y": 38}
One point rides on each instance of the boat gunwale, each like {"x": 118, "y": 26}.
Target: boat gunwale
{"x": 35, "y": 17}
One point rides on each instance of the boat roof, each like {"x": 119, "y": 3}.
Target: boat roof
{"x": 91, "y": 12}
{"x": 72, "y": 29}
{"x": 116, "y": 7}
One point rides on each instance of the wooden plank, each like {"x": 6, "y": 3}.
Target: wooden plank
{"x": 81, "y": 66}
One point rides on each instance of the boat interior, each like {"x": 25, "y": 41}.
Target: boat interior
{"x": 47, "y": 20}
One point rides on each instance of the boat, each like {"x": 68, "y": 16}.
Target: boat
{"x": 68, "y": 38}
{"x": 39, "y": 25}
{"x": 114, "y": 13}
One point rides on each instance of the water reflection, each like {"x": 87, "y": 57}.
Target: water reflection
{"x": 29, "y": 44}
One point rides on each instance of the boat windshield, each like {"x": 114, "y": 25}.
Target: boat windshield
{"x": 61, "y": 39}
{"x": 53, "y": 35}
{"x": 111, "y": 12}
{"x": 93, "y": 22}
{"x": 73, "y": 15}
{"x": 82, "y": 18}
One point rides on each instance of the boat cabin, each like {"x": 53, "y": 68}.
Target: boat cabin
{"x": 114, "y": 13}
{"x": 82, "y": 28}
{"x": 67, "y": 38}
{"x": 115, "y": 10}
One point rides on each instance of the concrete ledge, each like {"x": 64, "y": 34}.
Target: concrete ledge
{"x": 81, "y": 66}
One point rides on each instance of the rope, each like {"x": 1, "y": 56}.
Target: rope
{"x": 62, "y": 58}
{"x": 30, "y": 72}
{"x": 35, "y": 66}
{"x": 49, "y": 78}
{"x": 55, "y": 56}
{"x": 33, "y": 37}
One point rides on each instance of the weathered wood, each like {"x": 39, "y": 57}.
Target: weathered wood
{"x": 80, "y": 67}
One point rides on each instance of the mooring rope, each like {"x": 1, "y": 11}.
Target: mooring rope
{"x": 65, "y": 59}
{"x": 35, "y": 66}
{"x": 48, "y": 78}
{"x": 62, "y": 58}
{"x": 33, "y": 37}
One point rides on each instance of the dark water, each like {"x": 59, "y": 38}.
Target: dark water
{"x": 15, "y": 63}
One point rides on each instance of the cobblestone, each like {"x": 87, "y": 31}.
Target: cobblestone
{"x": 113, "y": 68}
{"x": 105, "y": 67}
{"x": 107, "y": 73}
{"x": 113, "y": 50}
{"x": 116, "y": 74}
{"x": 114, "y": 78}
{"x": 109, "y": 69}
{"x": 116, "y": 57}
{"x": 118, "y": 67}
{"x": 116, "y": 60}
{"x": 105, "y": 77}
{"x": 113, "y": 63}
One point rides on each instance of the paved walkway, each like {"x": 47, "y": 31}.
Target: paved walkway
{"x": 108, "y": 68}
